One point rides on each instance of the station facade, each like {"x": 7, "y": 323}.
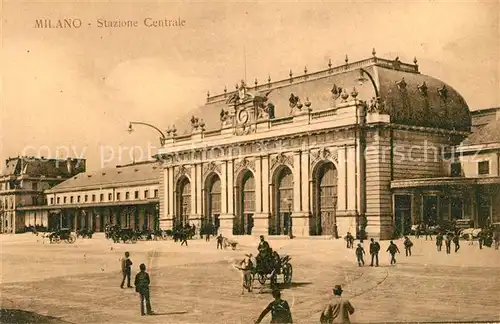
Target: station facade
{"x": 313, "y": 154}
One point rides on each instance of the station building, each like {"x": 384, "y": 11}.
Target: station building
{"x": 124, "y": 195}
{"x": 22, "y": 185}
{"x": 321, "y": 153}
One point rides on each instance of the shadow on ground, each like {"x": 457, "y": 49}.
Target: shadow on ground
{"x": 293, "y": 285}
{"x": 16, "y": 316}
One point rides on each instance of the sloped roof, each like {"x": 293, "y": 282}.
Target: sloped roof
{"x": 109, "y": 177}
{"x": 407, "y": 104}
{"x": 36, "y": 167}
{"x": 487, "y": 134}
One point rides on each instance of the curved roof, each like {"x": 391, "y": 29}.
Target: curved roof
{"x": 419, "y": 100}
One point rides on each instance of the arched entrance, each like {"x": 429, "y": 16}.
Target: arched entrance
{"x": 325, "y": 200}
{"x": 210, "y": 221}
{"x": 245, "y": 204}
{"x": 283, "y": 202}
{"x": 183, "y": 194}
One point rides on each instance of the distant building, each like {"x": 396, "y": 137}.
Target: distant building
{"x": 469, "y": 187}
{"x": 125, "y": 195}
{"x": 317, "y": 153}
{"x": 22, "y": 184}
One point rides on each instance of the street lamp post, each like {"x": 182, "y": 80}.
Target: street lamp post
{"x": 163, "y": 138}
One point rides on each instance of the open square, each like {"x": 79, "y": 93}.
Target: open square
{"x": 79, "y": 283}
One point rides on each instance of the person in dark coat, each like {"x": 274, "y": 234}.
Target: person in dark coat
{"x": 142, "y": 287}
{"x": 359, "y": 255}
{"x": 126, "y": 270}
{"x": 374, "y": 249}
{"x": 456, "y": 241}
{"x": 220, "y": 239}
{"x": 439, "y": 241}
{"x": 449, "y": 237}
{"x": 393, "y": 249}
{"x": 408, "y": 245}
{"x": 280, "y": 311}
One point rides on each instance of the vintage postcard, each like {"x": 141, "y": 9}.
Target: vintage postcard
{"x": 250, "y": 162}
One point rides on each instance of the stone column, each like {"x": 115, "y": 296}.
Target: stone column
{"x": 166, "y": 220}
{"x": 258, "y": 186}
{"x": 261, "y": 218}
{"x": 300, "y": 221}
{"x": 225, "y": 219}
{"x": 342, "y": 184}
{"x": 199, "y": 197}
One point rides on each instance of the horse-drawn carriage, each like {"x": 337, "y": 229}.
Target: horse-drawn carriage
{"x": 63, "y": 234}
{"x": 84, "y": 233}
{"x": 118, "y": 234}
{"x": 269, "y": 268}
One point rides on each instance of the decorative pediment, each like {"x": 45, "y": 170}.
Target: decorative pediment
{"x": 181, "y": 171}
{"x": 211, "y": 167}
{"x": 281, "y": 159}
{"x": 323, "y": 154}
{"x": 245, "y": 164}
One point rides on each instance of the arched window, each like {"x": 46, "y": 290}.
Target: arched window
{"x": 325, "y": 200}
{"x": 283, "y": 202}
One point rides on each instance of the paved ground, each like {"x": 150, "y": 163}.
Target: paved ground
{"x": 79, "y": 283}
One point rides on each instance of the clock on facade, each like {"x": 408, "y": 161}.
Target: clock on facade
{"x": 243, "y": 116}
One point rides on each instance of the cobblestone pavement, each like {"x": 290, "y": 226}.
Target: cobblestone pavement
{"x": 79, "y": 283}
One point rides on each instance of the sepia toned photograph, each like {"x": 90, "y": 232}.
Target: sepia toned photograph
{"x": 249, "y": 162}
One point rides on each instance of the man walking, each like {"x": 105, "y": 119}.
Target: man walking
{"x": 126, "y": 270}
{"x": 184, "y": 237}
{"x": 280, "y": 311}
{"x": 408, "y": 244}
{"x": 220, "y": 239}
{"x": 439, "y": 241}
{"x": 456, "y": 241}
{"x": 338, "y": 310}
{"x": 374, "y": 249}
{"x": 428, "y": 232}
{"x": 359, "y": 255}
{"x": 448, "y": 242}
{"x": 142, "y": 287}
{"x": 393, "y": 249}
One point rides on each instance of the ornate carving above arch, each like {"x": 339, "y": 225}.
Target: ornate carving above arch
{"x": 323, "y": 155}
{"x": 180, "y": 172}
{"x": 279, "y": 160}
{"x": 211, "y": 167}
{"x": 244, "y": 164}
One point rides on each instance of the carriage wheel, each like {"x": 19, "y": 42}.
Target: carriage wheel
{"x": 133, "y": 239}
{"x": 287, "y": 273}
{"x": 57, "y": 239}
{"x": 262, "y": 278}
{"x": 71, "y": 239}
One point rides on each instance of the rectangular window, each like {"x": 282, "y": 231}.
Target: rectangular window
{"x": 146, "y": 194}
{"x": 156, "y": 193}
{"x": 483, "y": 167}
{"x": 117, "y": 196}
{"x": 127, "y": 195}
{"x": 101, "y": 197}
{"x": 78, "y": 199}
{"x": 35, "y": 186}
{"x": 71, "y": 199}
{"x": 51, "y": 201}
{"x": 93, "y": 197}
{"x": 58, "y": 200}
{"x": 64, "y": 200}
{"x": 136, "y": 195}
{"x": 110, "y": 197}
{"x": 456, "y": 169}
{"x": 86, "y": 198}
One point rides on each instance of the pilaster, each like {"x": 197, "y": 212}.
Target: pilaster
{"x": 192, "y": 214}
{"x": 230, "y": 187}
{"x": 261, "y": 217}
{"x": 258, "y": 185}
{"x": 351, "y": 179}
{"x": 171, "y": 193}
{"x": 223, "y": 183}
{"x": 296, "y": 182}
{"x": 342, "y": 183}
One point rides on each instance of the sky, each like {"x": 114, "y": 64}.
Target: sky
{"x": 73, "y": 91}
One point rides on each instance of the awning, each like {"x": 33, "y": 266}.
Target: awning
{"x": 443, "y": 182}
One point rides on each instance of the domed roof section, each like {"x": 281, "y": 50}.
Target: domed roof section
{"x": 420, "y": 100}
{"x": 409, "y": 97}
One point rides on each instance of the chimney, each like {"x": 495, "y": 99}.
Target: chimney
{"x": 69, "y": 165}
